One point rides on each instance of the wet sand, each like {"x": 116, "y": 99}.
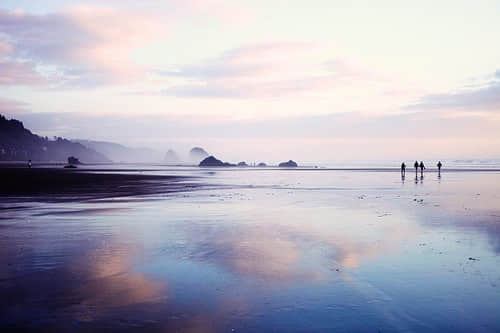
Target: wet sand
{"x": 255, "y": 250}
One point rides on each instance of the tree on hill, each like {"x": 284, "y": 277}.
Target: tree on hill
{"x": 19, "y": 144}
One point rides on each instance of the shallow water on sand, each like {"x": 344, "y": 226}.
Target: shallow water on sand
{"x": 260, "y": 250}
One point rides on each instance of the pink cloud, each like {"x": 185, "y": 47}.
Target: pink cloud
{"x": 15, "y": 72}
{"x": 5, "y": 47}
{"x": 86, "y": 45}
{"x": 270, "y": 70}
{"x": 247, "y": 61}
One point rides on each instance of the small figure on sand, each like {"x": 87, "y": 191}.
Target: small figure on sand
{"x": 403, "y": 169}
{"x": 422, "y": 167}
{"x": 416, "y": 167}
{"x": 29, "y": 164}
{"x": 439, "y": 165}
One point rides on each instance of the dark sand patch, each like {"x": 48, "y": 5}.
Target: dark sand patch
{"x": 14, "y": 207}
{"x": 55, "y": 185}
{"x": 83, "y": 212}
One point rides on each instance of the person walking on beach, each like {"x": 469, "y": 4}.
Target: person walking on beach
{"x": 29, "y": 164}
{"x": 416, "y": 167}
{"x": 403, "y": 169}
{"x": 422, "y": 167}
{"x": 439, "y": 165}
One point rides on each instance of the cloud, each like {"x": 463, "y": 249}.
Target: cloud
{"x": 247, "y": 61}
{"x": 255, "y": 90}
{"x": 477, "y": 97}
{"x": 14, "y": 72}
{"x": 269, "y": 70}
{"x": 77, "y": 46}
{"x": 5, "y": 47}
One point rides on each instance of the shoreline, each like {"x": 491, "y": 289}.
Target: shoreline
{"x": 60, "y": 184}
{"x": 165, "y": 167}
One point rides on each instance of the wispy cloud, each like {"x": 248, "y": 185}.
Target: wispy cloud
{"x": 270, "y": 70}
{"x": 247, "y": 61}
{"x": 483, "y": 96}
{"x": 14, "y": 72}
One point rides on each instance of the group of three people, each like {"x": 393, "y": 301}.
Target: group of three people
{"x": 419, "y": 165}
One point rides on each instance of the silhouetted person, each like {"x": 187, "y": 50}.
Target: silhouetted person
{"x": 29, "y": 163}
{"x": 439, "y": 165}
{"x": 416, "y": 167}
{"x": 422, "y": 167}
{"x": 403, "y": 169}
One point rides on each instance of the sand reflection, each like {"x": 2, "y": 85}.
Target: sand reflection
{"x": 465, "y": 201}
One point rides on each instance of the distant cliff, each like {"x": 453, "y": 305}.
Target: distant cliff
{"x": 19, "y": 144}
{"x": 120, "y": 153}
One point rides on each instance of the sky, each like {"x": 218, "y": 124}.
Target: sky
{"x": 318, "y": 80}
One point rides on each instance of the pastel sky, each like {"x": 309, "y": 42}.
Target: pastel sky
{"x": 316, "y": 80}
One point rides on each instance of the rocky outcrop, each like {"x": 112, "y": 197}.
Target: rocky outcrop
{"x": 211, "y": 161}
{"x": 242, "y": 164}
{"x": 289, "y": 164}
{"x": 73, "y": 160}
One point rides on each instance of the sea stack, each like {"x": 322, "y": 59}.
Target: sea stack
{"x": 197, "y": 154}
{"x": 73, "y": 160}
{"x": 289, "y": 164}
{"x": 171, "y": 157}
{"x": 211, "y": 161}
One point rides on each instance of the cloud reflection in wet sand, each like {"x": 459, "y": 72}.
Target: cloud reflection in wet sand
{"x": 303, "y": 244}
{"x": 89, "y": 283}
{"x": 112, "y": 283}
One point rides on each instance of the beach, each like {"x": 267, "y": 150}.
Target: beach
{"x": 248, "y": 249}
